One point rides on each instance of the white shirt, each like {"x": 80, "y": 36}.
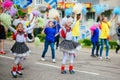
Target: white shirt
{"x": 21, "y": 37}
{"x": 69, "y": 35}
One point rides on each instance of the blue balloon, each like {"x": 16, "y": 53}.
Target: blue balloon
{"x": 22, "y": 3}
{"x": 84, "y": 10}
{"x": 68, "y": 12}
{"x": 116, "y": 11}
{"x": 99, "y": 9}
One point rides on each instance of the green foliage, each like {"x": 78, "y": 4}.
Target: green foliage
{"x": 81, "y": 42}
{"x": 9, "y": 34}
{"x": 37, "y": 31}
{"x": 41, "y": 37}
{"x": 113, "y": 44}
{"x": 87, "y": 42}
{"x": 21, "y": 13}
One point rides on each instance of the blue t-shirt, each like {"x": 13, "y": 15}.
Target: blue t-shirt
{"x": 50, "y": 34}
{"x": 57, "y": 26}
{"x": 95, "y": 36}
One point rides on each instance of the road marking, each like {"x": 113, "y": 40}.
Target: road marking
{"x": 87, "y": 72}
{"x": 7, "y": 57}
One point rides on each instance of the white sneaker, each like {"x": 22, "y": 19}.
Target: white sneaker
{"x": 43, "y": 59}
{"x": 53, "y": 61}
{"x": 100, "y": 58}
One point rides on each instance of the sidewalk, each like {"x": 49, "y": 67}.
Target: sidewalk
{"x": 89, "y": 68}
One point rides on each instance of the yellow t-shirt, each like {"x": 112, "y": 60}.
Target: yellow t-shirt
{"x": 76, "y": 29}
{"x": 105, "y": 30}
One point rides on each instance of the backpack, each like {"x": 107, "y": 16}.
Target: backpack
{"x": 15, "y": 34}
{"x": 62, "y": 33}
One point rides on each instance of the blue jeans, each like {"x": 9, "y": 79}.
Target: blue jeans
{"x": 102, "y": 46}
{"x": 95, "y": 46}
{"x": 46, "y": 44}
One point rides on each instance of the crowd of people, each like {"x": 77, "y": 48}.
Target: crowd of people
{"x": 68, "y": 29}
{"x": 102, "y": 28}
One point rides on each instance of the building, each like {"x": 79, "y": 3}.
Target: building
{"x": 91, "y": 15}
{"x": 41, "y": 5}
{"x": 110, "y": 4}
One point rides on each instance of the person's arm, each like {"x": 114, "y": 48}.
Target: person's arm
{"x": 12, "y": 29}
{"x": 62, "y": 27}
{"x": 4, "y": 11}
{"x": 57, "y": 19}
{"x": 100, "y": 18}
{"x": 81, "y": 17}
{"x": 56, "y": 34}
{"x": 43, "y": 31}
{"x": 30, "y": 28}
{"x": 32, "y": 19}
{"x": 113, "y": 18}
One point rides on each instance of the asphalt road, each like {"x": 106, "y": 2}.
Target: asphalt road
{"x": 86, "y": 67}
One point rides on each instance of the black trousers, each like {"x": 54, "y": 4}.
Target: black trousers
{"x": 30, "y": 36}
{"x": 118, "y": 47}
{"x": 57, "y": 41}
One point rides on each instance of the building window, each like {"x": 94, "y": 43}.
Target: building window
{"x": 38, "y": 2}
{"x": 90, "y": 15}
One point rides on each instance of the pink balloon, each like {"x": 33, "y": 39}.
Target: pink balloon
{"x": 7, "y": 4}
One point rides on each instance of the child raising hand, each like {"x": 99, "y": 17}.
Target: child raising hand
{"x": 19, "y": 49}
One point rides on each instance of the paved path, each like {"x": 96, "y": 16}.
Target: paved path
{"x": 86, "y": 67}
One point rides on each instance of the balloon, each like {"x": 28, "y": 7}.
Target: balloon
{"x": 22, "y": 3}
{"x": 68, "y": 12}
{"x": 77, "y": 8}
{"x": 37, "y": 41}
{"x": 41, "y": 22}
{"x": 116, "y": 11}
{"x": 7, "y": 4}
{"x": 5, "y": 19}
{"x": 53, "y": 13}
{"x": 84, "y": 11}
{"x": 92, "y": 28}
{"x": 99, "y": 9}
{"x": 13, "y": 11}
{"x": 36, "y": 13}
